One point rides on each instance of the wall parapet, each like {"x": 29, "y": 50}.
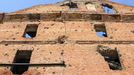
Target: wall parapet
{"x": 66, "y": 16}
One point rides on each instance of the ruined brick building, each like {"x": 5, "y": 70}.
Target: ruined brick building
{"x": 77, "y": 37}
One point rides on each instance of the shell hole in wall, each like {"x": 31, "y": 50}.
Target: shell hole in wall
{"x": 111, "y": 56}
{"x": 108, "y": 9}
{"x": 71, "y": 5}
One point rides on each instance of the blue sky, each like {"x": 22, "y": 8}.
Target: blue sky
{"x": 126, "y": 2}
{"x": 14, "y": 5}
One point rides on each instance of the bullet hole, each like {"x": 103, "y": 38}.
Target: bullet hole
{"x": 62, "y": 52}
{"x": 17, "y": 33}
{"x": 132, "y": 31}
{"x": 6, "y": 54}
{"x": 13, "y": 26}
{"x": 70, "y": 65}
{"x": 61, "y": 39}
{"x": 52, "y": 24}
{"x": 14, "y": 38}
{"x": 46, "y": 27}
{"x": 76, "y": 30}
{"x": 6, "y": 44}
{"x": 50, "y": 52}
{"x": 111, "y": 37}
{"x": 53, "y": 72}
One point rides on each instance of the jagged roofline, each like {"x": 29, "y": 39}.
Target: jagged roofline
{"x": 102, "y": 1}
{"x": 81, "y": 0}
{"x": 67, "y": 1}
{"x": 76, "y": 1}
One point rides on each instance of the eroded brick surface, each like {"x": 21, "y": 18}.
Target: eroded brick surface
{"x": 63, "y": 40}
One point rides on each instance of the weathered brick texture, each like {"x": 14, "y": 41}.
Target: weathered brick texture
{"x": 63, "y": 39}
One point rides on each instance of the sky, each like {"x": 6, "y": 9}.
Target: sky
{"x": 14, "y": 5}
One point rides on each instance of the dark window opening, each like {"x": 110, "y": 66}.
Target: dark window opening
{"x": 30, "y": 31}
{"x": 108, "y": 9}
{"x": 71, "y": 5}
{"x": 22, "y": 56}
{"x": 111, "y": 56}
{"x": 100, "y": 30}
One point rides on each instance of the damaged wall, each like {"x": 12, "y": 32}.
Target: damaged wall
{"x": 62, "y": 39}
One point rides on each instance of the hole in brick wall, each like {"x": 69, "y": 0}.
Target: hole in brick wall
{"x": 30, "y": 31}
{"x": 111, "y": 57}
{"x": 71, "y": 5}
{"x": 100, "y": 30}
{"x": 61, "y": 39}
{"x": 22, "y": 56}
{"x": 108, "y": 9}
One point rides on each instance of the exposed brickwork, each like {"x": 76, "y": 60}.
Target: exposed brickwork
{"x": 66, "y": 42}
